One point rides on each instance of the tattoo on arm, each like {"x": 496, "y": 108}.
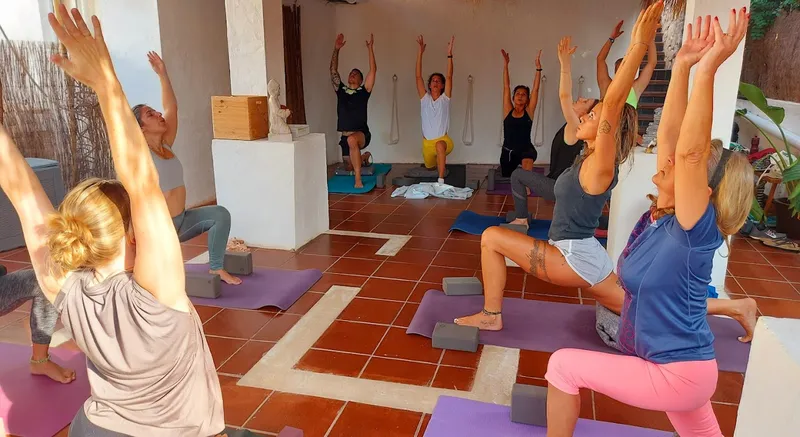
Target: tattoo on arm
{"x": 335, "y": 79}
{"x": 605, "y": 127}
{"x": 537, "y": 260}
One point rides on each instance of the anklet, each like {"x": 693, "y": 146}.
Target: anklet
{"x": 42, "y": 361}
{"x": 490, "y": 313}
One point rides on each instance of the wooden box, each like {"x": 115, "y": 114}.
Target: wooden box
{"x": 239, "y": 117}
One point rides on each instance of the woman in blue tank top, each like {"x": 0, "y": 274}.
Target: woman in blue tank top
{"x": 704, "y": 196}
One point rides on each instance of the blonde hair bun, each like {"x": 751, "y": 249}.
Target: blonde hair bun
{"x": 69, "y": 242}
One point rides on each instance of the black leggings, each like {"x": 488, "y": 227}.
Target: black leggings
{"x": 511, "y": 158}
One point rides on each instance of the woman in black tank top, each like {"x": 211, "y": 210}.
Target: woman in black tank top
{"x": 518, "y": 109}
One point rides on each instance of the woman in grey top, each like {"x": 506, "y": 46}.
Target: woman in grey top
{"x": 160, "y": 132}
{"x": 149, "y": 366}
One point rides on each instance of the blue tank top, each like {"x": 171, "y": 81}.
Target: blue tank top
{"x": 665, "y": 271}
{"x": 577, "y": 214}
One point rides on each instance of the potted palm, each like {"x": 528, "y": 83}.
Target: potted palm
{"x": 786, "y": 209}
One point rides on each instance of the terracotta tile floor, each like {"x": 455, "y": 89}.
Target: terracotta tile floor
{"x": 368, "y": 340}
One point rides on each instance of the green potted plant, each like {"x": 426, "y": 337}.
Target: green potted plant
{"x": 787, "y": 209}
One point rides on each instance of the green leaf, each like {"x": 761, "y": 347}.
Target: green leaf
{"x": 792, "y": 173}
{"x": 756, "y": 211}
{"x": 795, "y": 191}
{"x": 757, "y": 98}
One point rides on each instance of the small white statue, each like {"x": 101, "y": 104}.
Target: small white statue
{"x": 277, "y": 112}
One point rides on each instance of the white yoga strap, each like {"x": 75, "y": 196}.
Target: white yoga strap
{"x": 538, "y": 124}
{"x": 469, "y": 131}
{"x": 394, "y": 130}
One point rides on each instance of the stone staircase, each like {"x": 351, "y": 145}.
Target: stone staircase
{"x": 656, "y": 92}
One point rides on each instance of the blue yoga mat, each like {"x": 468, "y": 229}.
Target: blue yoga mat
{"x": 474, "y": 223}
{"x": 344, "y": 184}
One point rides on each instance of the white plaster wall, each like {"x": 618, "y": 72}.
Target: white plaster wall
{"x": 481, "y": 29}
{"x": 247, "y": 49}
{"x": 273, "y": 34}
{"x": 195, "y": 48}
{"x": 21, "y": 19}
{"x": 131, "y": 30}
{"x": 318, "y": 31}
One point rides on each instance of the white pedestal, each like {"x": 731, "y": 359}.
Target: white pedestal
{"x": 276, "y": 191}
{"x": 629, "y": 201}
{"x": 771, "y": 393}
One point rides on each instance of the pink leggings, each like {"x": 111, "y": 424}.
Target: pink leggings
{"x": 682, "y": 389}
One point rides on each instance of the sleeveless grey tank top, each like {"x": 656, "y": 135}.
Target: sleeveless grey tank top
{"x": 149, "y": 366}
{"x": 170, "y": 171}
{"x": 577, "y": 214}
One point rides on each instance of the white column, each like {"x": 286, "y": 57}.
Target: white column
{"x": 255, "y": 45}
{"x": 628, "y": 201}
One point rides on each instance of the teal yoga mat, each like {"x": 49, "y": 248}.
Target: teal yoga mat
{"x": 344, "y": 184}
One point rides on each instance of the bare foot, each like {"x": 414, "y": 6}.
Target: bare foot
{"x": 520, "y": 221}
{"x": 53, "y": 371}
{"x": 227, "y": 277}
{"x": 482, "y": 321}
{"x": 365, "y": 159}
{"x": 746, "y": 316}
{"x": 358, "y": 184}
{"x": 528, "y": 190}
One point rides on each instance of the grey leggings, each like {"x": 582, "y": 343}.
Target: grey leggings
{"x": 82, "y": 427}
{"x": 21, "y": 286}
{"x": 537, "y": 182}
{"x": 216, "y": 220}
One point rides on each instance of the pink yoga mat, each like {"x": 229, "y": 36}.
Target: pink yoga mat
{"x": 549, "y": 326}
{"x": 265, "y": 287}
{"x": 456, "y": 417}
{"x": 36, "y": 406}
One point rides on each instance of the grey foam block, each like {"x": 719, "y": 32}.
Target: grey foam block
{"x": 529, "y": 404}
{"x": 517, "y": 228}
{"x": 422, "y": 172}
{"x": 455, "y": 337}
{"x": 466, "y": 286}
{"x": 238, "y": 263}
{"x": 474, "y": 184}
{"x": 203, "y": 284}
{"x": 343, "y": 171}
{"x": 403, "y": 181}
{"x": 380, "y": 180}
{"x": 288, "y": 431}
{"x": 233, "y": 432}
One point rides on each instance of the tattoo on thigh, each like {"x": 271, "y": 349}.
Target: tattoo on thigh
{"x": 605, "y": 127}
{"x": 537, "y": 259}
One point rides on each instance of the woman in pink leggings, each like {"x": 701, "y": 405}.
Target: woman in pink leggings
{"x": 705, "y": 193}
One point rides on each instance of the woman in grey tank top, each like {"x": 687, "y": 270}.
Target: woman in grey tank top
{"x": 160, "y": 132}
{"x": 149, "y": 366}
{"x": 572, "y": 257}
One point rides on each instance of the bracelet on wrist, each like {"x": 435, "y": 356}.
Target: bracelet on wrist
{"x": 612, "y": 40}
{"x": 538, "y": 69}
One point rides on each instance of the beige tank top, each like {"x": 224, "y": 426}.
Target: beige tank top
{"x": 149, "y": 366}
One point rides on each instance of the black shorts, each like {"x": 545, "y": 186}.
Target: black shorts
{"x": 346, "y": 147}
{"x": 510, "y": 159}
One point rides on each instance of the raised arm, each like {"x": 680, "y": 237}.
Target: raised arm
{"x": 369, "y": 82}
{"x": 336, "y": 80}
{"x": 420, "y": 81}
{"x": 507, "y": 105}
{"x": 606, "y": 142}
{"x": 33, "y": 207}
{"x": 448, "y": 86}
{"x": 641, "y": 82}
{"x": 159, "y": 266}
{"x": 698, "y": 41}
{"x": 168, "y": 99}
{"x": 692, "y": 192}
{"x": 537, "y": 79}
{"x": 603, "y": 79}
{"x": 565, "y": 51}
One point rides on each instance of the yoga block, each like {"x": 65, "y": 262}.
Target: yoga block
{"x": 343, "y": 171}
{"x": 529, "y": 404}
{"x": 455, "y": 337}
{"x": 403, "y": 181}
{"x": 288, "y": 431}
{"x": 517, "y": 228}
{"x": 238, "y": 263}
{"x": 239, "y": 117}
{"x": 466, "y": 286}
{"x": 474, "y": 184}
{"x": 203, "y": 284}
{"x": 233, "y": 432}
{"x": 380, "y": 180}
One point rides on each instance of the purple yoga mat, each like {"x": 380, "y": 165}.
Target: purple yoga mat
{"x": 37, "y": 406}
{"x": 265, "y": 287}
{"x": 506, "y": 189}
{"x": 548, "y": 326}
{"x": 456, "y": 417}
